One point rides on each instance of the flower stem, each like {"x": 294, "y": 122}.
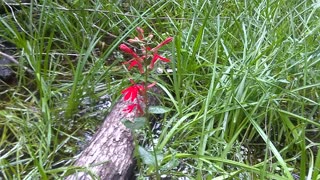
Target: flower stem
{"x": 147, "y": 116}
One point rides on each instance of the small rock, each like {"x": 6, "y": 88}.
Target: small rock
{"x": 6, "y": 73}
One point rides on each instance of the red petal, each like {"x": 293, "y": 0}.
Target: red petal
{"x": 153, "y": 61}
{"x": 132, "y": 64}
{"x": 166, "y": 41}
{"x": 125, "y": 90}
{"x": 130, "y": 93}
{"x": 130, "y": 108}
{"x": 151, "y": 85}
{"x": 132, "y": 81}
{"x": 135, "y": 40}
{"x": 135, "y": 62}
{"x": 140, "y": 33}
{"x": 126, "y": 49}
{"x": 134, "y": 94}
{"x": 140, "y": 68}
{"x": 127, "y": 95}
{"x": 140, "y": 87}
{"x": 164, "y": 59}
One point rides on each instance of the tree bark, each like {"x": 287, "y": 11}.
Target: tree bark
{"x": 109, "y": 154}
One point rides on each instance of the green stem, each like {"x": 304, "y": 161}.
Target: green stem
{"x": 147, "y": 116}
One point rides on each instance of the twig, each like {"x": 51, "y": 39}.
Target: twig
{"x": 15, "y": 19}
{"x": 12, "y": 59}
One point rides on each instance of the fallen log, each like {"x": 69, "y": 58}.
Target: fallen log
{"x": 109, "y": 154}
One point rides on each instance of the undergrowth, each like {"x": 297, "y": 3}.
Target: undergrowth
{"x": 244, "y": 86}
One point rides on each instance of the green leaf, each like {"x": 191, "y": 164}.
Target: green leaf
{"x": 158, "y": 109}
{"x": 170, "y": 165}
{"x": 137, "y": 124}
{"x": 146, "y": 156}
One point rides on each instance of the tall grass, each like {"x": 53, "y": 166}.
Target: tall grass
{"x": 245, "y": 85}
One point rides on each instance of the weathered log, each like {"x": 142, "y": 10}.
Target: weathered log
{"x": 109, "y": 154}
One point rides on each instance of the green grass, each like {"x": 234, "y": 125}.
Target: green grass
{"x": 244, "y": 93}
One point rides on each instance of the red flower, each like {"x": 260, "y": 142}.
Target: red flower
{"x": 131, "y": 107}
{"x": 140, "y": 33}
{"x": 136, "y": 61}
{"x": 134, "y": 40}
{"x": 132, "y": 92}
{"x": 156, "y": 56}
{"x": 166, "y": 41}
{"x": 140, "y": 38}
{"x": 128, "y": 50}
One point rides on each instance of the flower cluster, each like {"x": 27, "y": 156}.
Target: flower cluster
{"x": 131, "y": 93}
{"x": 147, "y": 59}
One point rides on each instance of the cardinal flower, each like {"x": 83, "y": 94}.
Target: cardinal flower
{"x": 131, "y": 92}
{"x": 131, "y": 107}
{"x": 140, "y": 38}
{"x": 128, "y": 50}
{"x": 140, "y": 33}
{"x": 166, "y": 41}
{"x": 136, "y": 61}
{"x": 156, "y": 56}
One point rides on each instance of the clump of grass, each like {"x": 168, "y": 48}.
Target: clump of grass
{"x": 39, "y": 121}
{"x": 245, "y": 79}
